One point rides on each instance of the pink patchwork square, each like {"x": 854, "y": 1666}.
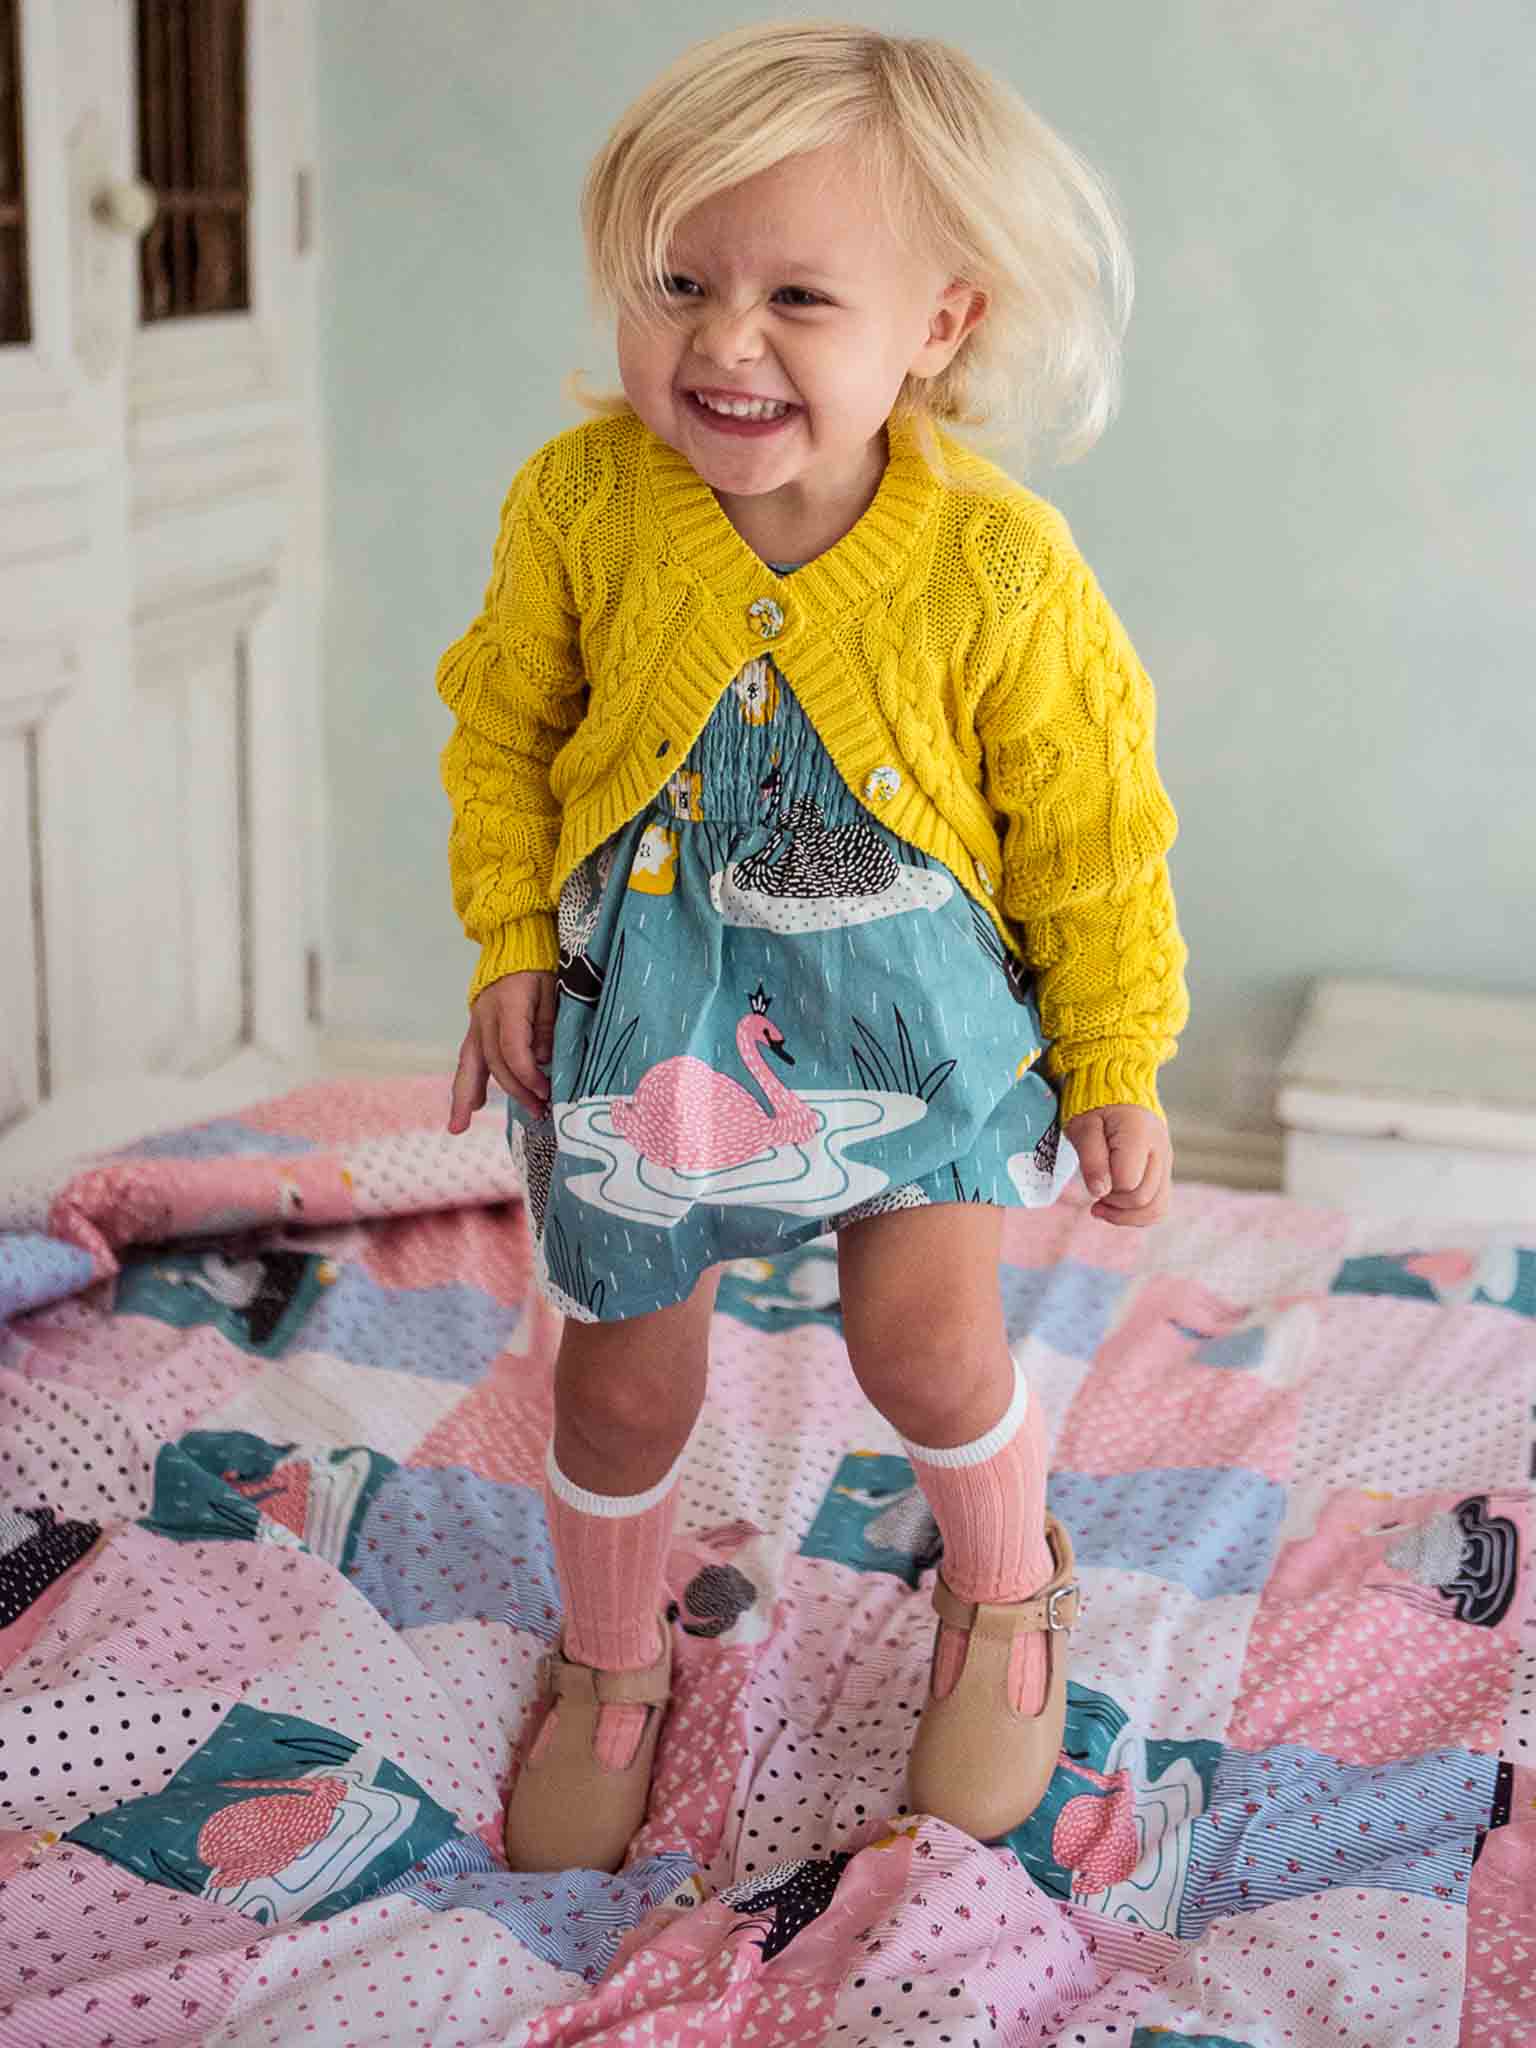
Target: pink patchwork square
{"x": 1149, "y": 1402}
{"x": 477, "y": 1247}
{"x": 342, "y": 1112}
{"x": 500, "y": 1429}
{"x": 1500, "y": 2006}
{"x": 162, "y": 1967}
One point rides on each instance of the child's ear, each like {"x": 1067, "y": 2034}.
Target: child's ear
{"x": 960, "y": 308}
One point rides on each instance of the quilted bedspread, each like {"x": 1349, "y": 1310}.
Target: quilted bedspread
{"x": 275, "y": 1583}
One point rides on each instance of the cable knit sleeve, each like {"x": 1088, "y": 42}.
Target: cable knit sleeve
{"x": 1067, "y": 734}
{"x": 514, "y": 684}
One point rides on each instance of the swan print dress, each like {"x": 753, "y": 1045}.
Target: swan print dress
{"x": 774, "y": 1018}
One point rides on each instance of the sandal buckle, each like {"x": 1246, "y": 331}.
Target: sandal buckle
{"x": 1056, "y": 1626}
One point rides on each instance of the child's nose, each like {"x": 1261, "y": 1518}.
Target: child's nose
{"x": 728, "y": 336}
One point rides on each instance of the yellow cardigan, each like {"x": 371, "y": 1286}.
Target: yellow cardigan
{"x": 953, "y": 652}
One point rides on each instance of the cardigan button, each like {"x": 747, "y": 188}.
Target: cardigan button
{"x": 984, "y": 876}
{"x": 881, "y": 784}
{"x": 767, "y": 614}
{"x": 664, "y": 748}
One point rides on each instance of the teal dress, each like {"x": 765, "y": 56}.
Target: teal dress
{"x": 775, "y": 1017}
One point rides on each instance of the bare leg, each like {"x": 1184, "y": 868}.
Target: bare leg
{"x": 627, "y": 1394}
{"x": 923, "y": 1319}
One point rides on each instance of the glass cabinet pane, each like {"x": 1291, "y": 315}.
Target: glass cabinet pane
{"x": 15, "y": 297}
{"x": 192, "y": 150}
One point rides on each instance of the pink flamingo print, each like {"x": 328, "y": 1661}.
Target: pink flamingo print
{"x": 687, "y": 1116}
{"x": 259, "y": 1837}
{"x": 1096, "y": 1838}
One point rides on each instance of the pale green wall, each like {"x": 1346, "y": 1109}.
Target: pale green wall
{"x": 1315, "y": 514}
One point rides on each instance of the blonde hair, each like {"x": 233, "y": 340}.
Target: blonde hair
{"x": 963, "y": 165}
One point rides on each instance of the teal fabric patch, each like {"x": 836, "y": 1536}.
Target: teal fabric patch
{"x": 1504, "y": 1277}
{"x": 874, "y": 1518}
{"x": 276, "y": 1818}
{"x": 780, "y": 1293}
{"x": 1165, "y": 2037}
{"x": 230, "y": 1484}
{"x": 1239, "y": 1350}
{"x": 258, "y": 1298}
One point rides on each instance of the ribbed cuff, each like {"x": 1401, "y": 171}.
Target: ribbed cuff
{"x": 530, "y": 944}
{"x": 611, "y": 1505}
{"x": 1097, "y": 1083}
{"x": 982, "y": 1448}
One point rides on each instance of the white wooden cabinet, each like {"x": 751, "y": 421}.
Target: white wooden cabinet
{"x": 161, "y": 900}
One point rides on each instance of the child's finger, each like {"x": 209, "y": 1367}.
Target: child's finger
{"x": 1130, "y": 1154}
{"x": 1144, "y": 1190}
{"x": 468, "y": 1084}
{"x": 544, "y": 1025}
{"x": 1087, "y": 1135}
{"x": 514, "y": 1064}
{"x": 1139, "y": 1206}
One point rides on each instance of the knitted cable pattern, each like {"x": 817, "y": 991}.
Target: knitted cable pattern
{"x": 953, "y": 652}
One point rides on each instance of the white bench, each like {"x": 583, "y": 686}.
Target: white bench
{"x": 1415, "y": 1099}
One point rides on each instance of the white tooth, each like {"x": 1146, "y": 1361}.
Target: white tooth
{"x": 745, "y": 408}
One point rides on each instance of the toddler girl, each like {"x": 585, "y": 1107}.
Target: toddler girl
{"x": 806, "y": 818}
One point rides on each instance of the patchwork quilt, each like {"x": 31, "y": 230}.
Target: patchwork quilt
{"x": 275, "y": 1583}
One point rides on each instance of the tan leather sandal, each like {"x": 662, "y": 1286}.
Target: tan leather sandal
{"x": 568, "y": 1811}
{"x": 977, "y": 1762}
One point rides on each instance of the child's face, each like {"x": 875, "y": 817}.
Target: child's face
{"x": 791, "y": 288}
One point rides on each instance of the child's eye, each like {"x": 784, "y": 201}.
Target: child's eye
{"x": 680, "y": 287}
{"x": 797, "y": 295}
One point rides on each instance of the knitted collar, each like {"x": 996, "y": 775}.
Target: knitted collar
{"x": 870, "y": 557}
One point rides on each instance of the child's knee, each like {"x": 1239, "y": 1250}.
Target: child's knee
{"x": 609, "y": 1391}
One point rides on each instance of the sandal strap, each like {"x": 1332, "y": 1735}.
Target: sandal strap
{"x": 651, "y": 1687}
{"x": 1053, "y": 1609}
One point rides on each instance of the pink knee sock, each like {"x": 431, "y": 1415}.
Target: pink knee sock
{"x": 988, "y": 1498}
{"x": 611, "y": 1554}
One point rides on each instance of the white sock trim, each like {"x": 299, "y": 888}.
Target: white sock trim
{"x": 610, "y": 1504}
{"x": 984, "y": 1447}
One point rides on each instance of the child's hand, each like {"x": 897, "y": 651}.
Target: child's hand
{"x": 1127, "y": 1162}
{"x": 511, "y": 1035}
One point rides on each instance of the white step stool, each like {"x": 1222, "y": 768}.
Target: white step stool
{"x": 1414, "y": 1099}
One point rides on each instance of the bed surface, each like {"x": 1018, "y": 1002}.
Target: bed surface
{"x": 275, "y": 1582}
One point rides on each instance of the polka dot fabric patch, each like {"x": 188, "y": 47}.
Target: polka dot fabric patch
{"x": 1348, "y": 1969}
{"x": 1174, "y": 1660}
{"x": 1210, "y": 1528}
{"x": 1413, "y": 1411}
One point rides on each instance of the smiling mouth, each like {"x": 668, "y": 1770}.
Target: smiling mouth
{"x": 757, "y": 409}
